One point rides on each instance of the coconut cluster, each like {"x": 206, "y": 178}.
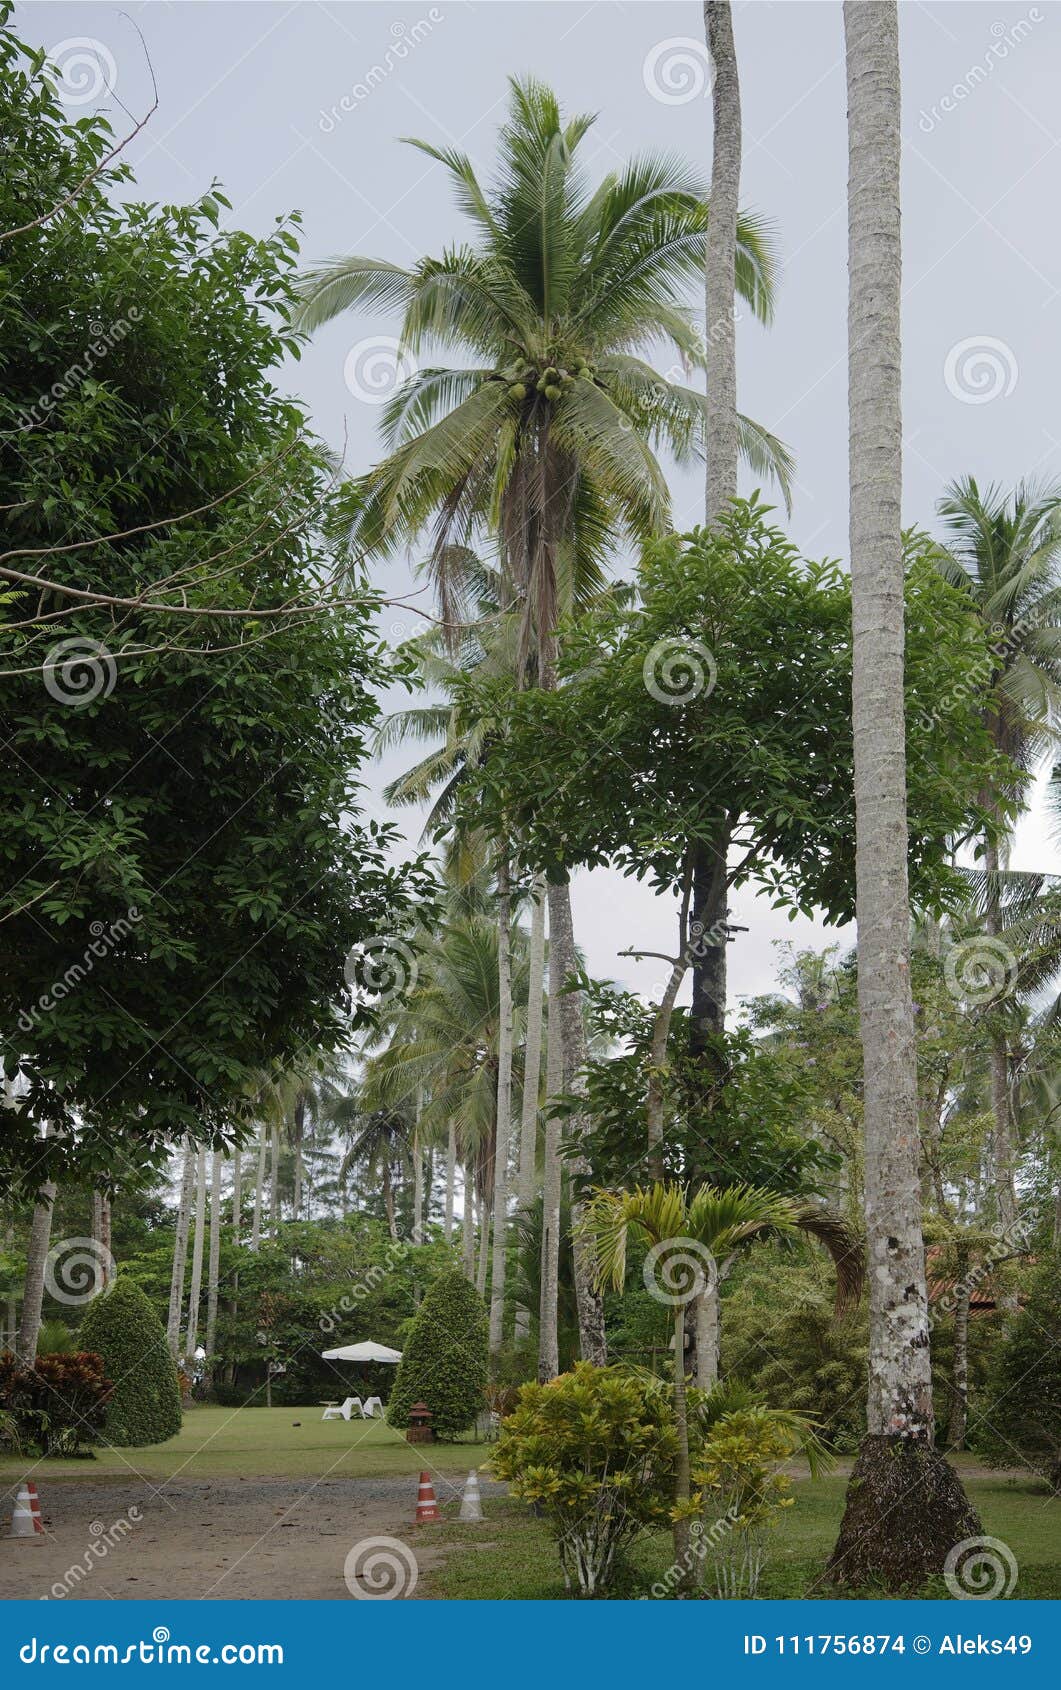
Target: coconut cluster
{"x": 550, "y": 382}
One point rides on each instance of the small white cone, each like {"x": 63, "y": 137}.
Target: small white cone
{"x": 471, "y": 1505}
{"x": 26, "y": 1517}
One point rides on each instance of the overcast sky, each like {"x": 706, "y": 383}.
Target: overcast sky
{"x": 301, "y": 106}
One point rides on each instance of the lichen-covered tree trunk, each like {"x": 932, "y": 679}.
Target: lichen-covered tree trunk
{"x": 180, "y": 1251}
{"x": 552, "y": 1187}
{"x": 40, "y": 1238}
{"x": 532, "y": 1064}
{"x": 503, "y": 1133}
{"x": 214, "y": 1267}
{"x": 904, "y": 1504}
{"x": 196, "y": 1287}
{"x": 588, "y": 1299}
{"x": 959, "y": 1408}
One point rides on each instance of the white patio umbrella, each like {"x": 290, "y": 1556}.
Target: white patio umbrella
{"x": 362, "y": 1352}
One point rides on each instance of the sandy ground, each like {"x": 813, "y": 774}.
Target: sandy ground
{"x": 224, "y": 1538}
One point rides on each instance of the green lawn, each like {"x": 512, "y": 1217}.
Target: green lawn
{"x": 260, "y": 1443}
{"x": 518, "y": 1559}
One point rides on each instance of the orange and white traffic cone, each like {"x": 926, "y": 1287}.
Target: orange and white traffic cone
{"x": 26, "y": 1522}
{"x": 426, "y": 1504}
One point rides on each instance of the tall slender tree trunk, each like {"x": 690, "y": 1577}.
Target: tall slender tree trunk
{"x": 720, "y": 268}
{"x": 1004, "y": 1159}
{"x": 503, "y": 1132}
{"x": 589, "y": 1300}
{"x": 388, "y": 1198}
{"x": 259, "y": 1193}
{"x": 468, "y": 1226}
{"x": 180, "y": 1251}
{"x": 959, "y": 1407}
{"x": 196, "y": 1288}
{"x": 451, "y": 1182}
{"x": 237, "y": 1194}
{"x": 40, "y": 1239}
{"x": 274, "y": 1182}
{"x": 418, "y": 1174}
{"x": 214, "y": 1267}
{"x": 552, "y": 1189}
{"x": 483, "y": 1263}
{"x": 299, "y": 1124}
{"x": 905, "y": 1508}
{"x": 532, "y": 1065}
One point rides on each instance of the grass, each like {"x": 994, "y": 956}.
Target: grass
{"x": 258, "y": 1443}
{"x": 517, "y": 1559}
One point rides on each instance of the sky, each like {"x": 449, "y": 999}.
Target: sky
{"x": 302, "y": 105}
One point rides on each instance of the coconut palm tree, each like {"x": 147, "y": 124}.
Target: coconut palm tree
{"x": 1004, "y": 553}
{"x": 180, "y": 1249}
{"x": 687, "y": 1232}
{"x": 876, "y": 1539}
{"x": 547, "y": 436}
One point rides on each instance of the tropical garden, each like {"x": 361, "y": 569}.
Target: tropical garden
{"x": 735, "y": 1298}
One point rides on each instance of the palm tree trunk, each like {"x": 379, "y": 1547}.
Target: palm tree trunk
{"x": 532, "y": 1064}
{"x": 483, "y": 1262}
{"x": 274, "y": 1182}
{"x": 299, "y": 1124}
{"x": 180, "y": 1251}
{"x": 1001, "y": 1099}
{"x": 237, "y": 1194}
{"x": 959, "y": 1408}
{"x": 259, "y": 1193}
{"x": 880, "y": 1542}
{"x": 451, "y": 1182}
{"x": 503, "y": 1132}
{"x": 40, "y": 1238}
{"x": 468, "y": 1226}
{"x": 590, "y": 1302}
{"x": 721, "y": 262}
{"x": 195, "y": 1290}
{"x": 388, "y": 1197}
{"x": 418, "y": 1175}
{"x": 682, "y": 1480}
{"x": 214, "y": 1268}
{"x": 552, "y": 1189}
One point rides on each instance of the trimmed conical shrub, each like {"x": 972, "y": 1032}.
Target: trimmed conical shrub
{"x": 444, "y": 1361}
{"x": 122, "y": 1327}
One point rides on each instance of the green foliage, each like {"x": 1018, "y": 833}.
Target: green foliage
{"x": 181, "y": 842}
{"x": 144, "y": 1407}
{"x": 722, "y": 697}
{"x": 55, "y": 1338}
{"x": 741, "y": 1489}
{"x": 595, "y": 1450}
{"x": 56, "y": 1404}
{"x": 444, "y": 1359}
{"x": 1021, "y": 1422}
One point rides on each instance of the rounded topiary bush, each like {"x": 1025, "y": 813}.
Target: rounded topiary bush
{"x": 444, "y": 1361}
{"x": 122, "y": 1327}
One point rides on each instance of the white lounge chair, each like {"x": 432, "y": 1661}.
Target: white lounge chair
{"x": 335, "y": 1411}
{"x": 373, "y": 1409}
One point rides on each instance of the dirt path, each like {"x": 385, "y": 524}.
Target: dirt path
{"x": 223, "y": 1538}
